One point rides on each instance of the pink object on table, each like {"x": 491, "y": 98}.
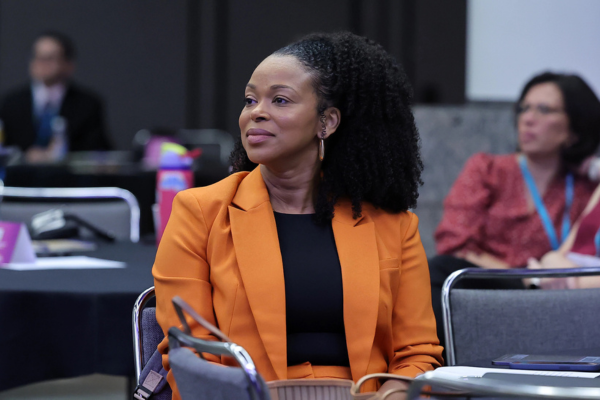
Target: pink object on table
{"x": 152, "y": 150}
{"x": 15, "y": 243}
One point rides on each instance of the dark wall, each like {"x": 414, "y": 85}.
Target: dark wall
{"x": 132, "y": 52}
{"x": 440, "y": 51}
{"x": 184, "y": 63}
{"x": 251, "y": 40}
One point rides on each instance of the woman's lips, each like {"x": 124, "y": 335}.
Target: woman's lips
{"x": 527, "y": 137}
{"x": 255, "y": 136}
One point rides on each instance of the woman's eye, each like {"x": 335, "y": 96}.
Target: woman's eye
{"x": 248, "y": 101}
{"x": 280, "y": 100}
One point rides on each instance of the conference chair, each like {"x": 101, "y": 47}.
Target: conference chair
{"x": 110, "y": 209}
{"x": 487, "y": 387}
{"x": 483, "y": 324}
{"x": 147, "y": 334}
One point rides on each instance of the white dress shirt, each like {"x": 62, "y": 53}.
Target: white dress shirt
{"x": 44, "y": 96}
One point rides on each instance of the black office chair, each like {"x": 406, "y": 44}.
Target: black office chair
{"x": 484, "y": 324}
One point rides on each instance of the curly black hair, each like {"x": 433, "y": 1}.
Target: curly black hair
{"x": 374, "y": 154}
{"x": 583, "y": 108}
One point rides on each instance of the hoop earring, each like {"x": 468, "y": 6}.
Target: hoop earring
{"x": 322, "y": 142}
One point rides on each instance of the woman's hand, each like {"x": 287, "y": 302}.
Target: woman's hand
{"x": 37, "y": 155}
{"x": 482, "y": 260}
{"x": 393, "y": 384}
{"x": 554, "y": 260}
{"x": 590, "y": 167}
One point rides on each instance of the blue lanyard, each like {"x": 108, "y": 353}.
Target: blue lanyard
{"x": 543, "y": 213}
{"x": 597, "y": 243}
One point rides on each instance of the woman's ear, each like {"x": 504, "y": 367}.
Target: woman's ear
{"x": 333, "y": 117}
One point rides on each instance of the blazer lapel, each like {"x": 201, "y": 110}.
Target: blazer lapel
{"x": 259, "y": 259}
{"x": 357, "y": 249}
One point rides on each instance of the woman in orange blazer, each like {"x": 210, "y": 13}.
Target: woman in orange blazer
{"x": 328, "y": 122}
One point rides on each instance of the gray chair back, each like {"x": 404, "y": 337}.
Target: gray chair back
{"x": 198, "y": 379}
{"x": 147, "y": 333}
{"x": 114, "y": 210}
{"x": 490, "y": 323}
{"x": 485, "y": 324}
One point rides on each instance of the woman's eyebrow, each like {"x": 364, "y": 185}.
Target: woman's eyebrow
{"x": 279, "y": 86}
{"x": 273, "y": 87}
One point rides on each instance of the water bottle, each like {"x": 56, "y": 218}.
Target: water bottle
{"x": 174, "y": 175}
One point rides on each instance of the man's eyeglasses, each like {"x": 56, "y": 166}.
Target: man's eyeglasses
{"x": 540, "y": 109}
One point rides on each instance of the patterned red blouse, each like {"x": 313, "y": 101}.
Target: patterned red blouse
{"x": 486, "y": 211}
{"x": 584, "y": 239}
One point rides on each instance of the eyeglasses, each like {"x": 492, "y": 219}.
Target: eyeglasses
{"x": 540, "y": 109}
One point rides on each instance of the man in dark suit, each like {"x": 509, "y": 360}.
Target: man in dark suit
{"x": 52, "y": 115}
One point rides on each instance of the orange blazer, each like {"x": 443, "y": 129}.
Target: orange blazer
{"x": 220, "y": 253}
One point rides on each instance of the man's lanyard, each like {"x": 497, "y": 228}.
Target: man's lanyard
{"x": 541, "y": 209}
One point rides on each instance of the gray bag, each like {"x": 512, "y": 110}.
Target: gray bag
{"x": 197, "y": 378}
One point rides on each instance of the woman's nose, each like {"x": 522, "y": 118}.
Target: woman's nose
{"x": 528, "y": 117}
{"x": 259, "y": 112}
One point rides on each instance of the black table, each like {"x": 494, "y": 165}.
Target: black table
{"x": 67, "y": 323}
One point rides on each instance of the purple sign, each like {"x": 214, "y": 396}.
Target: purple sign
{"x": 15, "y": 244}
{"x": 9, "y": 232}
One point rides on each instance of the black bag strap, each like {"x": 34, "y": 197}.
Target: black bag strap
{"x": 181, "y": 306}
{"x": 153, "y": 378}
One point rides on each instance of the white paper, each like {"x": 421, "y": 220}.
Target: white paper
{"x": 584, "y": 260}
{"x": 474, "y": 372}
{"x": 75, "y": 262}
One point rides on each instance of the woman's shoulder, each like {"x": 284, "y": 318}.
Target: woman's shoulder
{"x": 492, "y": 161}
{"x": 218, "y": 194}
{"x": 392, "y": 229}
{"x": 490, "y": 167}
{"x": 390, "y": 220}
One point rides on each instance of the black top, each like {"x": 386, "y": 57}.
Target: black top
{"x": 313, "y": 292}
{"x": 82, "y": 109}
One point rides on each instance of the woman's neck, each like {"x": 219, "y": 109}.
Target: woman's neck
{"x": 543, "y": 169}
{"x": 544, "y": 166}
{"x": 291, "y": 191}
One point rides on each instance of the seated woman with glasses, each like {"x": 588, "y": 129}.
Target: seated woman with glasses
{"x": 505, "y": 209}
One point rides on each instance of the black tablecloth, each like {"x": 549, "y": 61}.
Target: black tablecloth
{"x": 67, "y": 323}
